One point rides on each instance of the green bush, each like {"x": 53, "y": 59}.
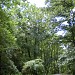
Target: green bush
{"x": 34, "y": 67}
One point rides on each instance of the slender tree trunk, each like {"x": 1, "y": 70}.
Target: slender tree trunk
{"x": 28, "y": 49}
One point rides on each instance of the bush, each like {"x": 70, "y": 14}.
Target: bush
{"x": 34, "y": 67}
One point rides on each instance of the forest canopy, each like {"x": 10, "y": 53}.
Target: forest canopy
{"x": 29, "y": 39}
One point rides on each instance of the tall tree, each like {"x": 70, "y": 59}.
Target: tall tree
{"x": 65, "y": 10}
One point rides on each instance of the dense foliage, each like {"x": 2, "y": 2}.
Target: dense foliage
{"x": 34, "y": 67}
{"x": 29, "y": 39}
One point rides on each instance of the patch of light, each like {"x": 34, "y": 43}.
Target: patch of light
{"x": 60, "y": 18}
{"x": 38, "y": 3}
{"x": 73, "y": 9}
{"x": 61, "y": 33}
{"x": 64, "y": 23}
{"x": 64, "y": 47}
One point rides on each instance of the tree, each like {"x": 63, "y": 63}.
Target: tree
{"x": 64, "y": 11}
{"x": 28, "y": 33}
{"x": 7, "y": 40}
